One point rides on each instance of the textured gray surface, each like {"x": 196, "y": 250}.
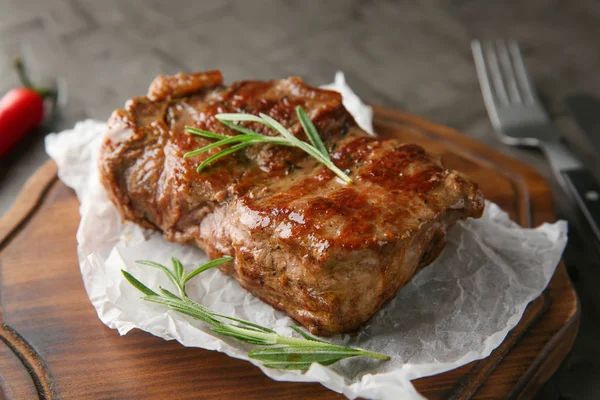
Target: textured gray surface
{"x": 413, "y": 57}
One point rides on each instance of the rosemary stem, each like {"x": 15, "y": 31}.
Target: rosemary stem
{"x": 375, "y": 355}
{"x": 292, "y": 341}
{"x": 292, "y": 352}
{"x": 301, "y": 342}
{"x": 295, "y": 341}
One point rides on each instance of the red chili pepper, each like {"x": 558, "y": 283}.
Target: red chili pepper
{"x": 21, "y": 110}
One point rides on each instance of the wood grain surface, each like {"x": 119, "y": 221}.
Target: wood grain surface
{"x": 53, "y": 344}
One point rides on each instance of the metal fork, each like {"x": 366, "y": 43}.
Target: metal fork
{"x": 518, "y": 116}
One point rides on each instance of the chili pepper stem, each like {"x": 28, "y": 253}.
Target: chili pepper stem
{"x": 26, "y": 82}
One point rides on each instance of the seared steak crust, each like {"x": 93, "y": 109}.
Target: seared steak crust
{"x": 327, "y": 253}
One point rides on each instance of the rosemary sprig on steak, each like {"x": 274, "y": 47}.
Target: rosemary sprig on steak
{"x": 249, "y": 137}
{"x": 292, "y": 353}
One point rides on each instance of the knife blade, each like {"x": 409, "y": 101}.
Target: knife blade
{"x": 586, "y": 110}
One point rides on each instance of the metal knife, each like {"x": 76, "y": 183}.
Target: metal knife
{"x": 586, "y": 110}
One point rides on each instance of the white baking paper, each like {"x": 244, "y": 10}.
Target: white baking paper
{"x": 453, "y": 312}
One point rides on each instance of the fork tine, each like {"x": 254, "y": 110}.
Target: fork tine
{"x": 508, "y": 71}
{"x": 491, "y": 59}
{"x": 523, "y": 78}
{"x": 483, "y": 74}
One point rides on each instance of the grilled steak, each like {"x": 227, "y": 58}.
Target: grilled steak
{"x": 329, "y": 254}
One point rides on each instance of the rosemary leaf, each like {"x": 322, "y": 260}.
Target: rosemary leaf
{"x": 168, "y": 293}
{"x": 138, "y": 285}
{"x": 184, "y": 308}
{"x": 229, "y": 140}
{"x": 169, "y": 274}
{"x": 311, "y": 132}
{"x": 207, "y": 266}
{"x": 238, "y": 128}
{"x": 249, "y": 337}
{"x": 303, "y": 354}
{"x": 232, "y": 117}
{"x": 306, "y": 335}
{"x": 247, "y": 323}
{"x": 249, "y": 328}
{"x": 177, "y": 268}
{"x": 277, "y": 127}
{"x": 222, "y": 154}
{"x": 203, "y": 133}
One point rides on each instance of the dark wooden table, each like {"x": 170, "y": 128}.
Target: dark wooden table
{"x": 410, "y": 57}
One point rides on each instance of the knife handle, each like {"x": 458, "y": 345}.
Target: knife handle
{"x": 586, "y": 192}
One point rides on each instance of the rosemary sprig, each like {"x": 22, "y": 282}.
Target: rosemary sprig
{"x": 248, "y": 137}
{"x": 290, "y": 353}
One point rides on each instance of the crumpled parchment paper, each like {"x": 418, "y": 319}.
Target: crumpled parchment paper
{"x": 453, "y": 312}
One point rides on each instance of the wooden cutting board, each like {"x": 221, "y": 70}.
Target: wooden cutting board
{"x": 54, "y": 346}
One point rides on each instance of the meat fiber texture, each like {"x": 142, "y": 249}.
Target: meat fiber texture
{"x": 455, "y": 311}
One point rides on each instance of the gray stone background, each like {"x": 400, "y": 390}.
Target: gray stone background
{"x": 413, "y": 56}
